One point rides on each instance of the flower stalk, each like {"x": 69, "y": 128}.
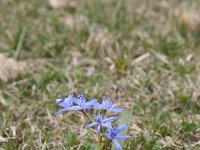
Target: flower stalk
{"x": 99, "y": 142}
{"x": 87, "y": 116}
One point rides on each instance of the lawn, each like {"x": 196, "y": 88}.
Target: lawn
{"x": 143, "y": 54}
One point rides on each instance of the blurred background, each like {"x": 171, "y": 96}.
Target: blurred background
{"x": 143, "y": 54}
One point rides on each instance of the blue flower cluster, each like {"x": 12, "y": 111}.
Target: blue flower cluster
{"x": 80, "y": 103}
{"x": 72, "y": 103}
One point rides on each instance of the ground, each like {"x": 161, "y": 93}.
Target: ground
{"x": 143, "y": 54}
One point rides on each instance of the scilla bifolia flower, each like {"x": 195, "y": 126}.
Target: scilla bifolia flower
{"x": 113, "y": 135}
{"x": 101, "y": 122}
{"x": 108, "y": 106}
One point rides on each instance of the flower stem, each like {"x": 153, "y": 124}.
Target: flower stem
{"x": 99, "y": 142}
{"x": 101, "y": 129}
{"x": 100, "y": 138}
{"x": 87, "y": 116}
{"x": 104, "y": 113}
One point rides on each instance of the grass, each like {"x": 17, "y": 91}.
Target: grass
{"x": 94, "y": 52}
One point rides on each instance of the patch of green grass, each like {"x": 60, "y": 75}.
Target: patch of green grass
{"x": 184, "y": 98}
{"x": 171, "y": 47}
{"x": 71, "y": 139}
{"x": 189, "y": 127}
{"x": 146, "y": 141}
{"x": 165, "y": 130}
{"x": 11, "y": 144}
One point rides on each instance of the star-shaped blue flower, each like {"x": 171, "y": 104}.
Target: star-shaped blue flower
{"x": 75, "y": 104}
{"x": 99, "y": 122}
{"x": 113, "y": 135}
{"x": 66, "y": 103}
{"x": 81, "y": 103}
{"x": 108, "y": 106}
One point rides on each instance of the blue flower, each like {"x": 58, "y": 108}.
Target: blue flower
{"x": 99, "y": 122}
{"x": 66, "y": 103}
{"x": 113, "y": 135}
{"x": 76, "y": 104}
{"x": 82, "y": 104}
{"x": 108, "y": 105}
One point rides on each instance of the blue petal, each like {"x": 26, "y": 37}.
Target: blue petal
{"x": 71, "y": 96}
{"x": 122, "y": 127}
{"x": 77, "y": 101}
{"x": 107, "y": 104}
{"x": 110, "y": 119}
{"x": 99, "y": 130}
{"x": 74, "y": 108}
{"x": 90, "y": 103}
{"x": 123, "y": 137}
{"x": 117, "y": 145}
{"x": 66, "y": 102}
{"x": 98, "y": 118}
{"x": 60, "y": 102}
{"x": 63, "y": 102}
{"x": 82, "y": 98}
{"x": 107, "y": 135}
{"x": 71, "y": 99}
{"x": 92, "y": 124}
{"x": 113, "y": 105}
{"x": 60, "y": 111}
{"x": 97, "y": 105}
{"x": 108, "y": 126}
{"x": 88, "y": 108}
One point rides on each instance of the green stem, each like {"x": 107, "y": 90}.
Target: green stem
{"x": 100, "y": 138}
{"x": 99, "y": 142}
{"x": 101, "y": 130}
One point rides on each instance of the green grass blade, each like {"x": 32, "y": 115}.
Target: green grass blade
{"x": 20, "y": 42}
{"x": 125, "y": 118}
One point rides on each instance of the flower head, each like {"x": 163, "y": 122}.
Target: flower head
{"x": 82, "y": 104}
{"x": 113, "y": 135}
{"x": 99, "y": 122}
{"x": 108, "y": 105}
{"x": 76, "y": 104}
{"x": 66, "y": 103}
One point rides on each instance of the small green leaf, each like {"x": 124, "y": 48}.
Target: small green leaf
{"x": 19, "y": 42}
{"x": 125, "y": 118}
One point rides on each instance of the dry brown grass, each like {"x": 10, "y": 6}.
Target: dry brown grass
{"x": 10, "y": 68}
{"x": 188, "y": 15}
